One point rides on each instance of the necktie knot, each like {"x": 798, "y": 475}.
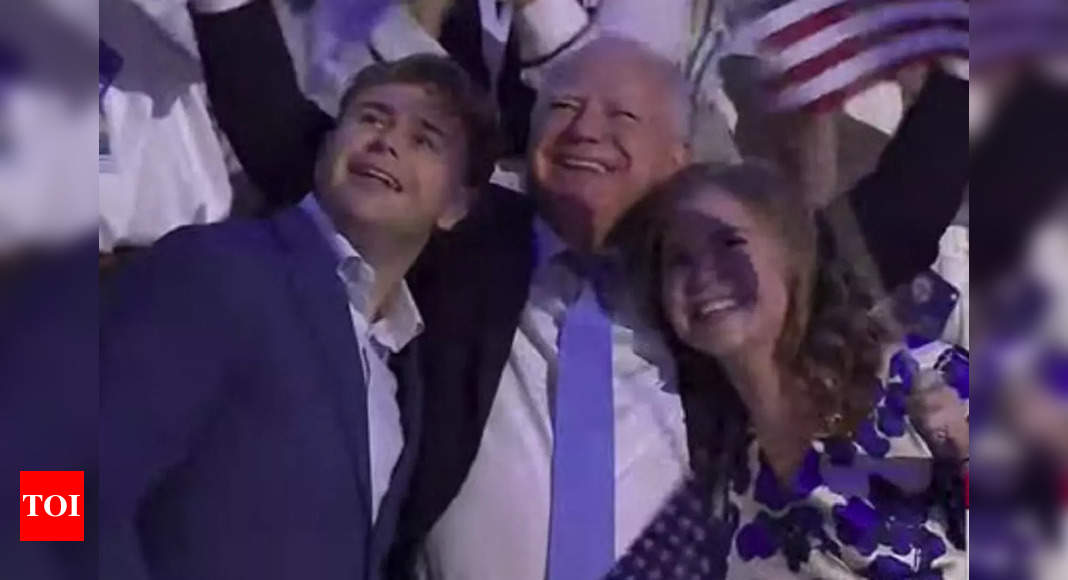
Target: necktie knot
{"x": 598, "y": 273}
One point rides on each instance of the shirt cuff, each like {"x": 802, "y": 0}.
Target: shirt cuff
{"x": 397, "y": 35}
{"x": 545, "y": 27}
{"x": 216, "y": 6}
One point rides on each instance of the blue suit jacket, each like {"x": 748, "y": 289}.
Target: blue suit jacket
{"x": 48, "y": 399}
{"x": 233, "y": 435}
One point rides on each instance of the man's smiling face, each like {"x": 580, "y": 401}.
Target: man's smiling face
{"x": 605, "y": 132}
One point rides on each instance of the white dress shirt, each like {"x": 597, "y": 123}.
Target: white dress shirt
{"x": 399, "y": 324}
{"x": 498, "y": 525}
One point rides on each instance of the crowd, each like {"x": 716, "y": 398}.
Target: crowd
{"x": 539, "y": 289}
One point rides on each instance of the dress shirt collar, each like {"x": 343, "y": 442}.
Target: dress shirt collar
{"x": 400, "y": 321}
{"x": 561, "y": 268}
{"x": 550, "y": 247}
{"x": 548, "y": 243}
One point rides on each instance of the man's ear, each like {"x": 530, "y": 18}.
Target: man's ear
{"x": 457, "y": 208}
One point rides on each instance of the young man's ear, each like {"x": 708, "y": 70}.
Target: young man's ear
{"x": 457, "y": 208}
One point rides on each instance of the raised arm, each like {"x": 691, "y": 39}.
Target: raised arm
{"x": 902, "y": 208}
{"x": 274, "y": 129}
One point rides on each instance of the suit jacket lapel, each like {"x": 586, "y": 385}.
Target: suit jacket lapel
{"x": 320, "y": 296}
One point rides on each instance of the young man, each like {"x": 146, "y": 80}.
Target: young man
{"x": 261, "y": 405}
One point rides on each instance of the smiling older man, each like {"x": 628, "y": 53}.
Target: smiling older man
{"x": 518, "y": 310}
{"x": 611, "y": 122}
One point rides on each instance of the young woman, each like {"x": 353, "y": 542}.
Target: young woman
{"x": 807, "y": 464}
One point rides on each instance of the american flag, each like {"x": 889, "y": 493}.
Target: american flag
{"x": 818, "y": 53}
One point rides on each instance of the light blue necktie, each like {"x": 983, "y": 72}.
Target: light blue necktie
{"x": 582, "y": 518}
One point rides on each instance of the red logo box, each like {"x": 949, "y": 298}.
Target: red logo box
{"x": 51, "y": 506}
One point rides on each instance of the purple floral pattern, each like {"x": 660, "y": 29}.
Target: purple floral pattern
{"x": 771, "y": 529}
{"x": 883, "y": 533}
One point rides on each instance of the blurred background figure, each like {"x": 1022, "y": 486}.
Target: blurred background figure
{"x": 47, "y": 124}
{"x": 1019, "y": 184}
{"x": 48, "y": 289}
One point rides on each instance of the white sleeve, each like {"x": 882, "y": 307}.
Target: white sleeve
{"x": 547, "y": 29}
{"x": 334, "y": 57}
{"x": 216, "y": 6}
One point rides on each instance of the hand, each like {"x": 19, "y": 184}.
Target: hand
{"x": 940, "y": 415}
{"x": 805, "y": 146}
{"x": 911, "y": 80}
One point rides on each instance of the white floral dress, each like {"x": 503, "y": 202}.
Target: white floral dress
{"x": 878, "y": 506}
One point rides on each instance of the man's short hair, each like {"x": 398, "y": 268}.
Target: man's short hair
{"x": 465, "y": 99}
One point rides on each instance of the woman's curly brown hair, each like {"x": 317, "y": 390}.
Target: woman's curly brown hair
{"x": 831, "y": 343}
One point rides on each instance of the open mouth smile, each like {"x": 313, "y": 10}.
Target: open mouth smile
{"x": 583, "y": 164}
{"x": 704, "y": 309}
{"x": 372, "y": 172}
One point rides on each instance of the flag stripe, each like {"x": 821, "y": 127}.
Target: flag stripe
{"x": 834, "y": 99}
{"x": 843, "y": 74}
{"x": 818, "y": 50}
{"x": 850, "y": 48}
{"x": 839, "y": 11}
{"x": 805, "y": 27}
{"x": 787, "y": 15}
{"x": 866, "y": 24}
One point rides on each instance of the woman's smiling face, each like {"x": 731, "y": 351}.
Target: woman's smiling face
{"x": 724, "y": 275}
